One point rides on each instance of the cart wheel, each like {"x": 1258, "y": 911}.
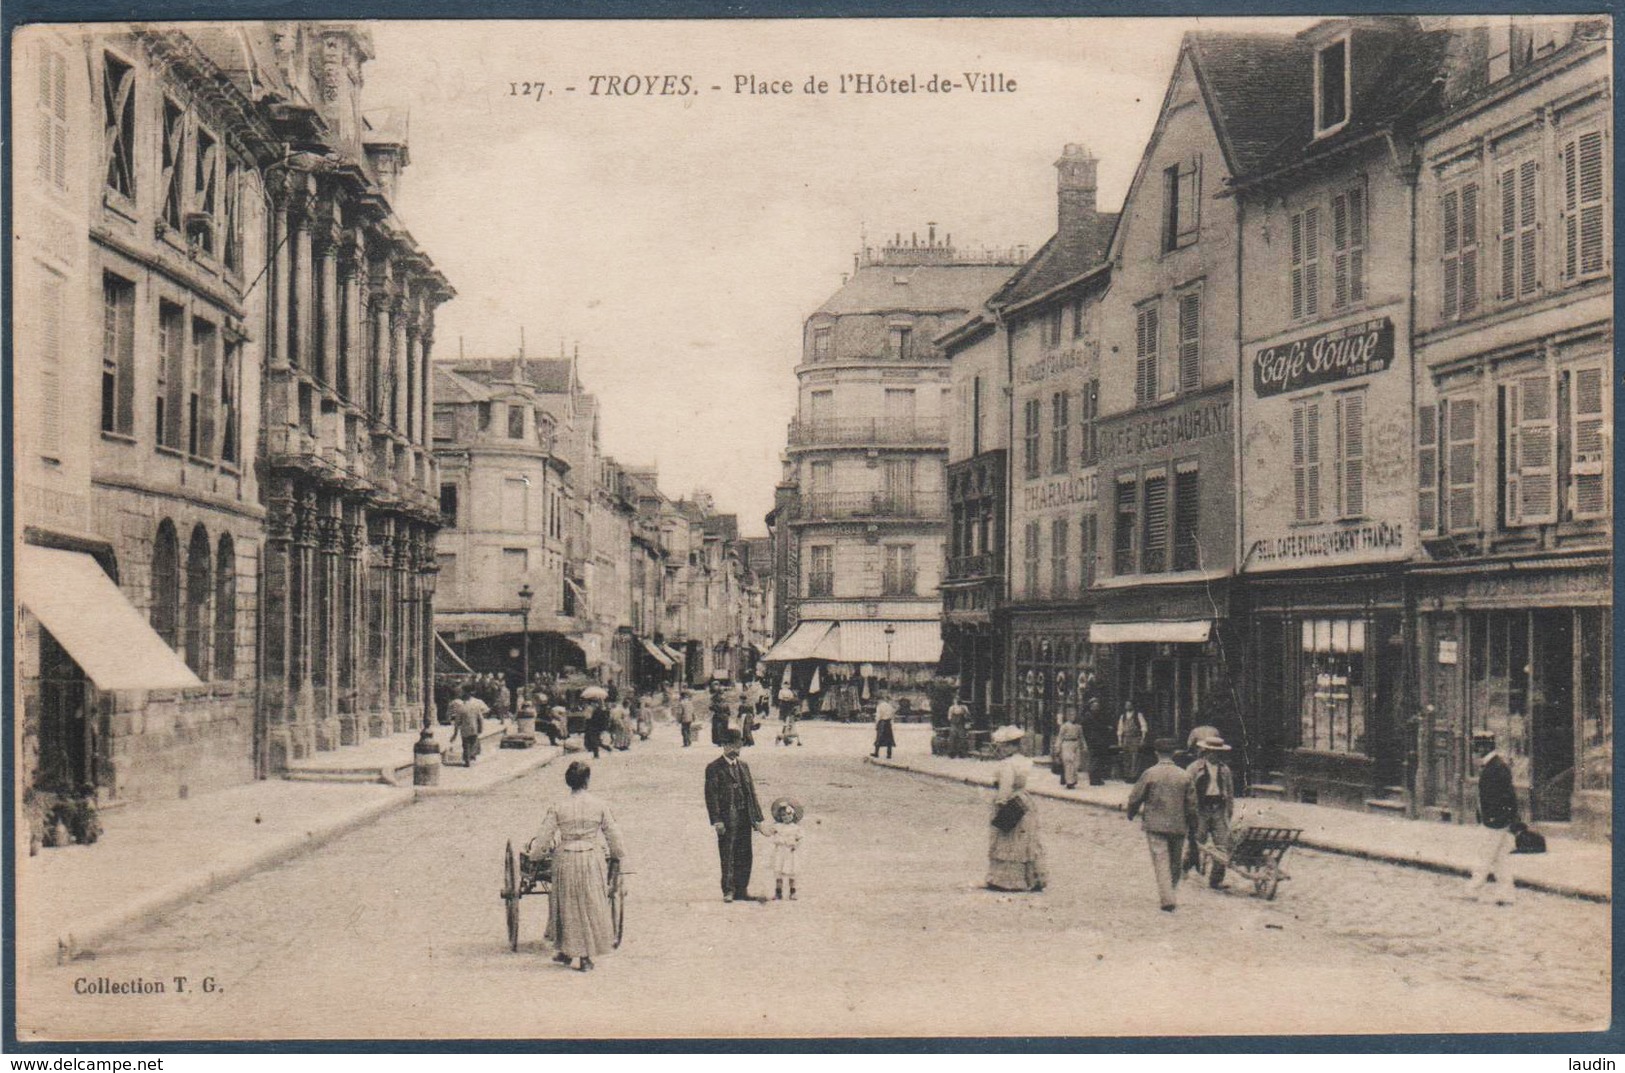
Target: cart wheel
{"x": 510, "y": 895}
{"x": 1268, "y": 886}
{"x": 617, "y": 905}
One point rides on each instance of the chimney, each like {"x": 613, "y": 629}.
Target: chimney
{"x": 1075, "y": 189}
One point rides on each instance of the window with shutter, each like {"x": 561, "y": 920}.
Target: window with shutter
{"x": 1190, "y": 341}
{"x": 1585, "y": 191}
{"x": 1087, "y": 530}
{"x": 1531, "y": 451}
{"x": 171, "y": 362}
{"x": 1088, "y": 411}
{"x": 1145, "y": 353}
{"x": 1306, "y": 460}
{"x": 1297, "y": 266}
{"x": 1350, "y": 461}
{"x": 52, "y": 166}
{"x": 1124, "y": 531}
{"x": 1154, "y": 544}
{"x": 118, "y": 124}
{"x": 1427, "y": 468}
{"x": 1030, "y": 440}
{"x": 1348, "y": 248}
{"x": 1588, "y": 444}
{"x": 1060, "y": 546}
{"x": 1458, "y": 239}
{"x": 1060, "y": 431}
{"x": 1460, "y": 419}
{"x": 174, "y": 162}
{"x": 1187, "y": 512}
{"x": 50, "y": 374}
{"x": 1520, "y": 266}
{"x": 1305, "y": 227}
{"x": 1030, "y": 577}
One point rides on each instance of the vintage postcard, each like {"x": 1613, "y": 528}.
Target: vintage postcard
{"x": 812, "y": 528}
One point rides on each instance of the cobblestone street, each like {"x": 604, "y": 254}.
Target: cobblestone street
{"x": 396, "y": 930}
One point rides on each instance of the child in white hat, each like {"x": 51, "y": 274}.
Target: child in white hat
{"x": 786, "y": 838}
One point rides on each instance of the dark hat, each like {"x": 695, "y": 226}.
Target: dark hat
{"x": 1165, "y": 745}
{"x": 732, "y": 737}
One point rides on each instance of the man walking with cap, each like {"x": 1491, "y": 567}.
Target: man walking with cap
{"x": 1215, "y": 800}
{"x": 1497, "y": 812}
{"x": 730, "y": 800}
{"x": 1165, "y": 792}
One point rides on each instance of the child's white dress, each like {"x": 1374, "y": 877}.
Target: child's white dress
{"x": 786, "y": 842}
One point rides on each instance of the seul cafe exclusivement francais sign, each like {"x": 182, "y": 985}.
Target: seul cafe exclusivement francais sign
{"x": 1355, "y": 350}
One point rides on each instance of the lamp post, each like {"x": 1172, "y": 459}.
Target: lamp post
{"x": 426, "y": 753}
{"x": 525, "y": 598}
{"x": 890, "y": 632}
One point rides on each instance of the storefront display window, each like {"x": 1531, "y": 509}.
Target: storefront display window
{"x": 1595, "y": 698}
{"x": 1333, "y": 713}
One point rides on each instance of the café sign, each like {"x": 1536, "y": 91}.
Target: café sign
{"x": 1355, "y": 350}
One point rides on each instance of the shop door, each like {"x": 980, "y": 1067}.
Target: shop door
{"x": 67, "y": 760}
{"x": 1552, "y": 711}
{"x": 1444, "y": 771}
{"x": 1163, "y": 714}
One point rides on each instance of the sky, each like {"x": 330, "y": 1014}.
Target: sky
{"x": 681, "y": 241}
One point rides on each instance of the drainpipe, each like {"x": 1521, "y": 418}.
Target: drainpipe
{"x": 1008, "y": 677}
{"x": 1238, "y": 394}
{"x": 1410, "y": 700}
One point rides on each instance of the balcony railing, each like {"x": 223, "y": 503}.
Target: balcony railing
{"x": 969, "y": 567}
{"x": 817, "y": 506}
{"x": 864, "y": 432}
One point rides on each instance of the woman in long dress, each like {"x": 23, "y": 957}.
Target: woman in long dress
{"x": 580, "y": 832}
{"x": 1015, "y": 858}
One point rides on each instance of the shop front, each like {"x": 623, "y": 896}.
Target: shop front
{"x": 1522, "y": 650}
{"x": 1053, "y": 674}
{"x": 1327, "y": 675}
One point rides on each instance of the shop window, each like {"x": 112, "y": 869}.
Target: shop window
{"x": 1334, "y": 696}
{"x": 1594, "y": 697}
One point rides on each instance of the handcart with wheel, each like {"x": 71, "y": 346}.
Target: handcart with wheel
{"x": 1255, "y": 855}
{"x": 531, "y": 872}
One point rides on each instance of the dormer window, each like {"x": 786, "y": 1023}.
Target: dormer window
{"x": 1331, "y": 87}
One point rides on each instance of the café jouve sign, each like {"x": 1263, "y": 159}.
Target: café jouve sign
{"x": 1355, "y": 350}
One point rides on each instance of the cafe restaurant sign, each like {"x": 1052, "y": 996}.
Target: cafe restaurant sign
{"x": 1355, "y": 350}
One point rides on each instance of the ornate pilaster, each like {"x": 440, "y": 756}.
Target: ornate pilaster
{"x": 375, "y": 676}
{"x": 301, "y": 284}
{"x": 276, "y": 708}
{"x": 397, "y": 357}
{"x": 352, "y": 619}
{"x": 325, "y": 242}
{"x": 405, "y": 608}
{"x": 324, "y": 668}
{"x": 301, "y": 598}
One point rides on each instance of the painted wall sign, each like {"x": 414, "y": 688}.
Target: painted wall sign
{"x": 1062, "y": 361}
{"x": 1380, "y": 536}
{"x": 1168, "y": 430}
{"x": 1356, "y": 350}
{"x": 1060, "y": 492}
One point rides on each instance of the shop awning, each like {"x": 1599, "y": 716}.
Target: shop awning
{"x": 655, "y": 653}
{"x": 676, "y": 656}
{"x": 447, "y": 650}
{"x": 866, "y": 641}
{"x": 800, "y": 642}
{"x": 1120, "y": 633}
{"x": 98, "y": 626}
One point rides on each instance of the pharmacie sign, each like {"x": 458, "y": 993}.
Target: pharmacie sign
{"x": 1319, "y": 359}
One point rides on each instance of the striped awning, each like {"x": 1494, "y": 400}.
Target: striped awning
{"x": 867, "y": 641}
{"x": 800, "y": 643}
{"x": 655, "y": 653}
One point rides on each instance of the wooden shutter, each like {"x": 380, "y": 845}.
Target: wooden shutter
{"x": 1311, "y": 262}
{"x": 1348, "y": 248}
{"x": 1145, "y": 353}
{"x": 1469, "y": 248}
{"x": 1311, "y": 445}
{"x": 1427, "y": 468}
{"x": 1584, "y": 206}
{"x": 1190, "y": 341}
{"x": 1154, "y": 556}
{"x": 1350, "y": 462}
{"x": 50, "y": 376}
{"x": 1187, "y": 513}
{"x": 1532, "y": 451}
{"x": 1449, "y": 249}
{"x": 53, "y": 119}
{"x": 1588, "y": 444}
{"x": 1520, "y": 271}
{"x": 1461, "y": 464}
{"x": 1297, "y": 266}
{"x": 1300, "y": 473}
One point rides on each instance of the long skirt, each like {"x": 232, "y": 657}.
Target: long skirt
{"x": 578, "y": 916}
{"x": 1070, "y": 758}
{"x": 1015, "y": 859}
{"x": 884, "y": 738}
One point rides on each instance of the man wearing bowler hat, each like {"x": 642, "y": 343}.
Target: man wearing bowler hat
{"x": 1165, "y": 793}
{"x": 730, "y": 800}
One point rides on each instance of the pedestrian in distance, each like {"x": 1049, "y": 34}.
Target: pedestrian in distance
{"x": 685, "y": 718}
{"x": 735, "y": 811}
{"x": 786, "y": 837}
{"x": 1073, "y": 751}
{"x": 642, "y": 718}
{"x": 620, "y": 727}
{"x": 470, "y": 724}
{"x": 958, "y": 730}
{"x": 719, "y": 714}
{"x": 1130, "y": 740}
{"x": 597, "y": 725}
{"x": 885, "y": 713}
{"x": 1165, "y": 794}
{"x": 556, "y": 726}
{"x": 580, "y": 833}
{"x": 1215, "y": 788}
{"x": 1498, "y": 814}
{"x": 1015, "y": 852}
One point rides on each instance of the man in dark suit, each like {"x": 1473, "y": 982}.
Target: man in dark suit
{"x": 730, "y": 799}
{"x": 1165, "y": 792}
{"x": 1497, "y": 811}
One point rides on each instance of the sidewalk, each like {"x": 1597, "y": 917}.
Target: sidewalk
{"x": 1570, "y": 867}
{"x": 156, "y": 856}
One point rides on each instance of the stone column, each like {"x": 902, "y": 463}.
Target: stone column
{"x": 276, "y": 708}
{"x": 403, "y": 627}
{"x": 354, "y": 358}
{"x": 397, "y": 358}
{"x": 352, "y": 628}
{"x": 327, "y": 361}
{"x": 302, "y": 293}
{"x": 378, "y": 357}
{"x": 276, "y": 340}
{"x": 302, "y": 723}
{"x": 380, "y": 531}
{"x": 426, "y": 409}
{"x": 324, "y": 667}
{"x": 414, "y": 387}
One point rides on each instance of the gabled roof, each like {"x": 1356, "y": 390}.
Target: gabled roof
{"x": 546, "y": 375}
{"x": 451, "y": 386}
{"x": 1065, "y": 257}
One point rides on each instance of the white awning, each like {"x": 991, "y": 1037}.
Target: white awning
{"x": 866, "y": 641}
{"x": 455, "y": 658}
{"x": 799, "y": 643}
{"x": 654, "y": 651}
{"x": 98, "y": 626}
{"x": 1119, "y": 633}
{"x": 676, "y": 656}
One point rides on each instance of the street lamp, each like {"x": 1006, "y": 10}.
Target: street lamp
{"x": 426, "y": 754}
{"x": 525, "y": 598}
{"x": 890, "y": 632}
